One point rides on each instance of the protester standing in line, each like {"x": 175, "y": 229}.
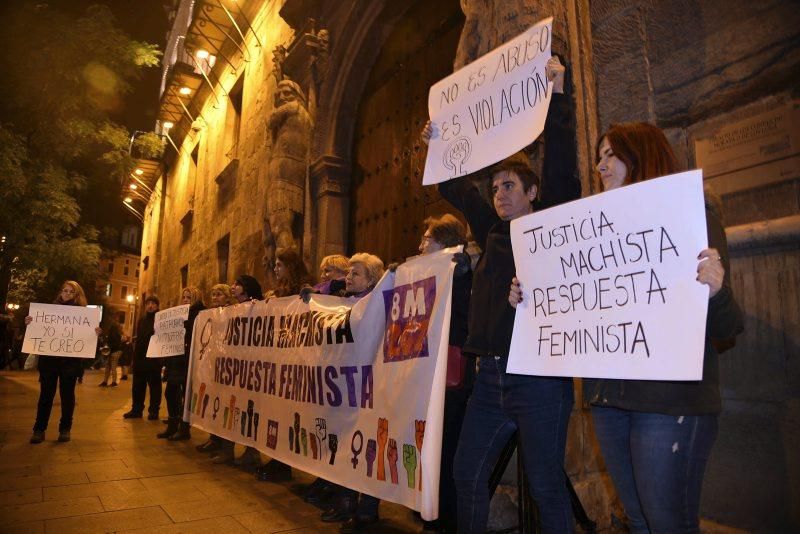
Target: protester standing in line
{"x": 113, "y": 338}
{"x": 59, "y": 371}
{"x": 244, "y": 289}
{"x": 125, "y": 358}
{"x": 365, "y": 272}
{"x": 501, "y": 404}
{"x": 332, "y": 273}
{"x": 656, "y": 437}
{"x": 292, "y": 276}
{"x": 177, "y": 368}
{"x": 146, "y": 371}
{"x": 221, "y": 297}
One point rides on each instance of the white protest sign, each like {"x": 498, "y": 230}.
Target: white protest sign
{"x": 490, "y": 109}
{"x": 58, "y": 330}
{"x": 167, "y": 339}
{"x": 609, "y": 284}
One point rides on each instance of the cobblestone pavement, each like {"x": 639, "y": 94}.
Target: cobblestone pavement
{"x": 115, "y": 476}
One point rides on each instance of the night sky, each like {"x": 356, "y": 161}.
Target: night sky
{"x": 143, "y": 20}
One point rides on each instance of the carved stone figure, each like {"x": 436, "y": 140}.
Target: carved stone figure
{"x": 289, "y": 127}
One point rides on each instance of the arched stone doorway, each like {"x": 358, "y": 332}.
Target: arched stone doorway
{"x": 387, "y": 200}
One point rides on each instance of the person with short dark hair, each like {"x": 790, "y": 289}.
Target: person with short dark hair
{"x": 502, "y": 404}
{"x": 146, "y": 371}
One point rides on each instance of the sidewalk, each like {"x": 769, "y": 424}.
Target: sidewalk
{"x": 115, "y": 476}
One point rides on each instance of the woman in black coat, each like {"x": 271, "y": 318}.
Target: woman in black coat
{"x": 177, "y": 369}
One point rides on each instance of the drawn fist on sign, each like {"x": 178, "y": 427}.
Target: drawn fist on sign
{"x": 419, "y": 435}
{"x": 333, "y": 445}
{"x": 304, "y": 441}
{"x": 410, "y": 462}
{"x": 391, "y": 454}
{"x": 372, "y": 448}
{"x": 313, "y": 440}
{"x": 383, "y": 436}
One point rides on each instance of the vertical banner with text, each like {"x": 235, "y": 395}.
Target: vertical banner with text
{"x": 491, "y": 108}
{"x": 58, "y": 330}
{"x": 609, "y": 284}
{"x": 348, "y": 390}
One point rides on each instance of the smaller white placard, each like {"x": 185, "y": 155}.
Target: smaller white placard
{"x": 490, "y": 109}
{"x": 609, "y": 284}
{"x": 58, "y": 330}
{"x": 167, "y": 340}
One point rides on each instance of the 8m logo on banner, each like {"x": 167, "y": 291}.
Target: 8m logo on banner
{"x": 408, "y": 312}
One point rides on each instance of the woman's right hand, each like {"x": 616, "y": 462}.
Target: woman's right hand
{"x": 28, "y": 320}
{"x": 515, "y": 292}
{"x": 427, "y": 132}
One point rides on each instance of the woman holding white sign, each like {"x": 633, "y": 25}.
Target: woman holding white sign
{"x": 178, "y": 368}
{"x": 59, "y": 371}
{"x": 656, "y": 437}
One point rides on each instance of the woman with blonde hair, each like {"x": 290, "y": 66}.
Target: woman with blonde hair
{"x": 59, "y": 371}
{"x": 177, "y": 369}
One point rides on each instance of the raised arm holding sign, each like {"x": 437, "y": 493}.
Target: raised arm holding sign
{"x": 491, "y": 108}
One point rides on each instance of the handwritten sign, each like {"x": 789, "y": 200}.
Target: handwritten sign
{"x": 58, "y": 330}
{"x": 490, "y": 109}
{"x": 167, "y": 340}
{"x": 609, "y": 284}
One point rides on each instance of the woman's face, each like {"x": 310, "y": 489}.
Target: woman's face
{"x": 357, "y": 279}
{"x": 280, "y": 270}
{"x": 218, "y": 299}
{"x": 186, "y": 298}
{"x": 67, "y": 293}
{"x": 329, "y": 272}
{"x": 509, "y": 195}
{"x": 613, "y": 172}
{"x": 428, "y": 244}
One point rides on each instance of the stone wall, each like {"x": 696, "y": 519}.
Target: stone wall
{"x": 693, "y": 67}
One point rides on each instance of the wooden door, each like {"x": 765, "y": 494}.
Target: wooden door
{"x": 388, "y": 201}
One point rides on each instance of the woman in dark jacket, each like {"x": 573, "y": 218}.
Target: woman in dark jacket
{"x": 59, "y": 371}
{"x": 177, "y": 369}
{"x": 656, "y": 436}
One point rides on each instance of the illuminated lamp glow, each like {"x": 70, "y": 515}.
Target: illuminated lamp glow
{"x": 185, "y": 91}
{"x": 128, "y": 200}
{"x": 202, "y": 54}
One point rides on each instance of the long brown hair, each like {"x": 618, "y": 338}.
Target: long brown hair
{"x": 80, "y": 296}
{"x": 642, "y": 147}
{"x": 297, "y": 274}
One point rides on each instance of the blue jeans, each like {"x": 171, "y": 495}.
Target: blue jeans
{"x": 501, "y": 404}
{"x": 657, "y": 464}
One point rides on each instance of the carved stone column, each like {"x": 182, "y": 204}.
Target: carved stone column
{"x": 331, "y": 174}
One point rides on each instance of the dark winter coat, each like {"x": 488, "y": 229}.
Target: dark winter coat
{"x": 724, "y": 321}
{"x": 491, "y": 318}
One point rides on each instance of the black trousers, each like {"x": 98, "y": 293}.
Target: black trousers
{"x": 146, "y": 373}
{"x": 174, "y": 393}
{"x": 49, "y": 379}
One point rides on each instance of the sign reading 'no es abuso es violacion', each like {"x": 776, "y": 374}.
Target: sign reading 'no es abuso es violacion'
{"x": 490, "y": 109}
{"x": 609, "y": 284}
{"x": 168, "y": 338}
{"x": 58, "y": 330}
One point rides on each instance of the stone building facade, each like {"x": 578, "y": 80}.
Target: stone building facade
{"x": 361, "y": 70}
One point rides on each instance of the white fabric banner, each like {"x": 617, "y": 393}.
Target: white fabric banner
{"x": 609, "y": 284}
{"x": 59, "y": 330}
{"x": 491, "y": 108}
{"x": 349, "y": 390}
{"x": 170, "y": 331}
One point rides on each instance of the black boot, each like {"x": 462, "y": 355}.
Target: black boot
{"x": 182, "y": 433}
{"x": 172, "y": 426}
{"x": 344, "y": 507}
{"x": 274, "y": 471}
